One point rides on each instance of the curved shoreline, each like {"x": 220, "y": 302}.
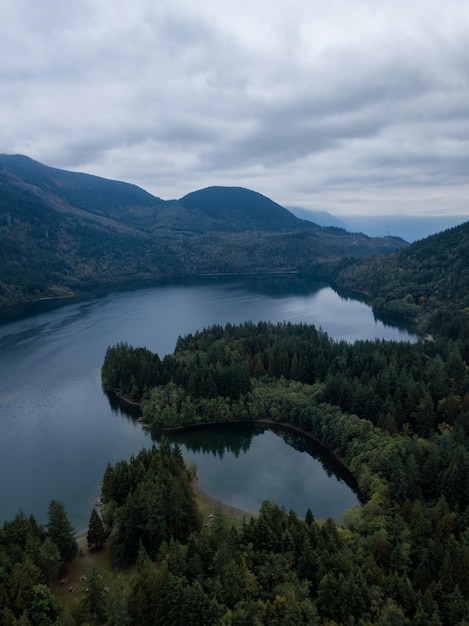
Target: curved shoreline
{"x": 265, "y": 421}
{"x": 352, "y": 482}
{"x": 286, "y": 426}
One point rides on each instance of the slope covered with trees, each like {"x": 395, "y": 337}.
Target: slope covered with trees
{"x": 429, "y": 280}
{"x": 61, "y": 232}
{"x": 31, "y": 557}
{"x": 237, "y": 209}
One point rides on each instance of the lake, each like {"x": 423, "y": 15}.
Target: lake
{"x": 58, "y": 429}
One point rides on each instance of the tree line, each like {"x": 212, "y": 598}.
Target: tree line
{"x": 31, "y": 557}
{"x": 399, "y": 386}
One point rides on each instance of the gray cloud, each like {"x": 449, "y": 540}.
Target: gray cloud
{"x": 329, "y": 105}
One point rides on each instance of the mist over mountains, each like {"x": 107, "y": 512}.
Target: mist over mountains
{"x": 409, "y": 227}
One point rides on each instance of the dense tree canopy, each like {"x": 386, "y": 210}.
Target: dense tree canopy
{"x": 150, "y": 500}
{"x": 428, "y": 280}
{"x": 29, "y": 561}
{"x": 397, "y": 413}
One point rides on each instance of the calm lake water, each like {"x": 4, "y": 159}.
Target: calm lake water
{"x": 58, "y": 429}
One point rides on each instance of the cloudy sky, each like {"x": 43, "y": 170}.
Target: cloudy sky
{"x": 348, "y": 106}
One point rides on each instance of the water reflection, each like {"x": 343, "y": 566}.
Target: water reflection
{"x": 216, "y": 440}
{"x": 58, "y": 431}
{"x": 245, "y": 464}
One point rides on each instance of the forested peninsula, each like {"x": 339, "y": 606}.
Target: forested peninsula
{"x": 398, "y": 413}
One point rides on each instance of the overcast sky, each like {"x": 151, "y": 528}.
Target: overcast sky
{"x": 348, "y": 106}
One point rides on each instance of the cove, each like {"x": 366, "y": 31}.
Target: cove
{"x": 244, "y": 464}
{"x": 58, "y": 430}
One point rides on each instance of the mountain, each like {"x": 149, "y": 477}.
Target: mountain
{"x": 410, "y": 227}
{"x": 62, "y": 231}
{"x": 65, "y": 191}
{"x": 237, "y": 209}
{"x": 427, "y": 280}
{"x": 228, "y": 209}
{"x": 323, "y": 218}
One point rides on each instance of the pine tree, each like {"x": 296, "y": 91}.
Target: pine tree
{"x": 93, "y": 604}
{"x": 96, "y": 534}
{"x": 61, "y": 532}
{"x": 50, "y": 559}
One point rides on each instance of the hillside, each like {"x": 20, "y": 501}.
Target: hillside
{"x": 62, "y": 231}
{"x": 236, "y": 209}
{"x": 68, "y": 191}
{"x": 427, "y": 280}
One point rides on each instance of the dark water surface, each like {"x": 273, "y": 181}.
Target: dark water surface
{"x": 58, "y": 430}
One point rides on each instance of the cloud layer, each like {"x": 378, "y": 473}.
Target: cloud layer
{"x": 350, "y": 107}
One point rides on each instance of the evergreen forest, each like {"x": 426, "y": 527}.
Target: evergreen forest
{"x": 395, "y": 414}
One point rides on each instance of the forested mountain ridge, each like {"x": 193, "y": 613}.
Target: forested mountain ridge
{"x": 62, "y": 231}
{"x": 429, "y": 280}
{"x": 122, "y": 202}
{"x": 238, "y": 209}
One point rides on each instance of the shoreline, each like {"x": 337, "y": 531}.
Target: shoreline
{"x": 206, "y": 503}
{"x": 263, "y": 422}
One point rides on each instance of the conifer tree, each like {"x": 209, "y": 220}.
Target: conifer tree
{"x": 61, "y": 532}
{"x": 96, "y": 536}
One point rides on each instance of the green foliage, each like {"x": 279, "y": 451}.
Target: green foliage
{"x": 153, "y": 502}
{"x": 428, "y": 280}
{"x": 396, "y": 414}
{"x": 29, "y": 562}
{"x": 130, "y": 371}
{"x": 61, "y": 232}
{"x": 96, "y": 536}
{"x": 50, "y": 559}
{"x": 44, "y": 609}
{"x": 61, "y": 532}
{"x": 218, "y": 375}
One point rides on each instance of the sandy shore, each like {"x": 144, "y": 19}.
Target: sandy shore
{"x": 209, "y": 504}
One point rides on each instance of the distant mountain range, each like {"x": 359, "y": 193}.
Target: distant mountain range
{"x": 227, "y": 209}
{"x": 409, "y": 227}
{"x": 62, "y": 231}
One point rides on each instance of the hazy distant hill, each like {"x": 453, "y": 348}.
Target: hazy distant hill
{"x": 61, "y": 231}
{"x": 323, "y": 218}
{"x": 408, "y": 227}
